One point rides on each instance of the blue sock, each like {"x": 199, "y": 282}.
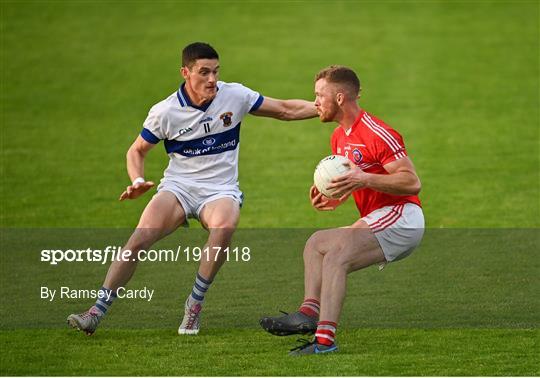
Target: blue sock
{"x": 200, "y": 287}
{"x": 104, "y": 301}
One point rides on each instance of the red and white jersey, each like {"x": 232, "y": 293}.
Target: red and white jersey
{"x": 371, "y": 144}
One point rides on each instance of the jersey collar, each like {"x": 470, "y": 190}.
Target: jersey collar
{"x": 184, "y": 99}
{"x": 355, "y": 123}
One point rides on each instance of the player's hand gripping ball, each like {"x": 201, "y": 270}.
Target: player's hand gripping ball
{"x": 327, "y": 169}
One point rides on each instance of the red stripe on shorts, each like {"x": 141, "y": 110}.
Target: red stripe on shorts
{"x": 390, "y": 221}
{"x": 392, "y": 213}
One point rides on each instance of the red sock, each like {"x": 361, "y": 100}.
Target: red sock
{"x": 326, "y": 333}
{"x": 310, "y": 307}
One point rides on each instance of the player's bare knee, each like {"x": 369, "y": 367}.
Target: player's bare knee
{"x": 314, "y": 243}
{"x": 141, "y": 239}
{"x": 221, "y": 235}
{"x": 225, "y": 227}
{"x": 336, "y": 261}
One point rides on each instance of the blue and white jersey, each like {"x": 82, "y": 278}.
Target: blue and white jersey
{"x": 202, "y": 142}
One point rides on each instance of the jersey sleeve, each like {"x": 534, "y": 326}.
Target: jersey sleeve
{"x": 251, "y": 100}
{"x": 388, "y": 146}
{"x": 153, "y": 127}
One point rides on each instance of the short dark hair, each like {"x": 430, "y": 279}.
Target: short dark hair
{"x": 197, "y": 50}
{"x": 343, "y": 76}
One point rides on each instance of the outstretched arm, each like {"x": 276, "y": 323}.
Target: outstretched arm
{"x": 135, "y": 167}
{"x": 286, "y": 110}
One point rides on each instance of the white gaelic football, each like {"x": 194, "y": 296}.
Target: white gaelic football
{"x": 327, "y": 169}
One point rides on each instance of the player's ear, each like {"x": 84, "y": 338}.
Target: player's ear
{"x": 340, "y": 97}
{"x": 185, "y": 72}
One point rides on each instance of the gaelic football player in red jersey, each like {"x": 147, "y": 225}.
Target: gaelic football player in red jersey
{"x": 384, "y": 184}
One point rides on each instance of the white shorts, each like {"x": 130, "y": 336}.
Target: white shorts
{"x": 193, "y": 196}
{"x": 399, "y": 229}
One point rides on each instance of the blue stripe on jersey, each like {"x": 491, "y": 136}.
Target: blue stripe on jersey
{"x": 257, "y": 104}
{"x": 208, "y": 145}
{"x": 149, "y": 137}
{"x": 180, "y": 99}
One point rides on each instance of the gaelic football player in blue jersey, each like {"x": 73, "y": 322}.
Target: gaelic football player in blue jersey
{"x": 200, "y": 127}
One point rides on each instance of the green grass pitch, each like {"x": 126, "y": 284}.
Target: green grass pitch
{"x": 459, "y": 80}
